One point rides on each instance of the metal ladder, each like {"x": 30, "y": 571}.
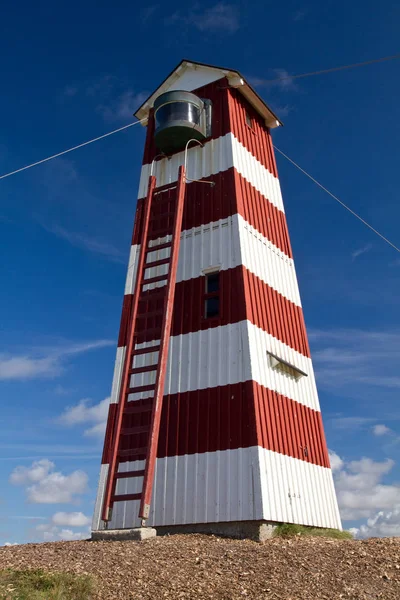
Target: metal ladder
{"x": 154, "y": 403}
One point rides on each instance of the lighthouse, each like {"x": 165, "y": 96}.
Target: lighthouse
{"x": 214, "y": 422}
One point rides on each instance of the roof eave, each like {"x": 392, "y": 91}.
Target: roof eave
{"x": 270, "y": 118}
{"x": 235, "y": 79}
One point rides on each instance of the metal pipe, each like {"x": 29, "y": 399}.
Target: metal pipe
{"x": 186, "y": 150}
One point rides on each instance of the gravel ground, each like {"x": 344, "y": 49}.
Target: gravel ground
{"x": 203, "y": 567}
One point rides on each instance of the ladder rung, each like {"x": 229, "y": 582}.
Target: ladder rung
{"x": 155, "y": 279}
{"x": 151, "y": 295}
{"x": 143, "y": 369}
{"x": 148, "y": 315}
{"x": 141, "y": 388}
{"x": 158, "y": 247}
{"x": 129, "y": 474}
{"x": 135, "y": 430}
{"x": 137, "y": 408}
{"x": 146, "y": 350}
{"x": 161, "y": 232}
{"x": 157, "y": 263}
{"x": 151, "y": 331}
{"x": 164, "y": 188}
{"x": 125, "y": 497}
{"x": 132, "y": 452}
{"x": 162, "y": 216}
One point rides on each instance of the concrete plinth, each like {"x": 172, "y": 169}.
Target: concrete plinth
{"x": 118, "y": 535}
{"x": 258, "y": 531}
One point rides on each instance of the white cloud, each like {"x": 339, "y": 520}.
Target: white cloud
{"x": 282, "y": 110}
{"x": 70, "y": 90}
{"x": 284, "y": 80}
{"x": 381, "y": 430}
{"x": 42, "y": 527}
{"x": 50, "y": 364}
{"x": 69, "y": 535}
{"x": 361, "y": 251}
{"x": 73, "y": 519}
{"x": 221, "y": 17}
{"x": 96, "y": 430}
{"x": 10, "y": 544}
{"x": 115, "y": 100}
{"x": 36, "y": 472}
{"x": 123, "y": 107}
{"x": 85, "y": 242}
{"x": 25, "y": 367}
{"x": 350, "y": 423}
{"x": 84, "y": 413}
{"x": 49, "y": 486}
{"x": 279, "y": 78}
{"x": 148, "y": 12}
{"x": 299, "y": 15}
{"x": 61, "y": 173}
{"x": 61, "y": 390}
{"x": 101, "y": 86}
{"x": 356, "y": 361}
{"x": 27, "y": 518}
{"x": 58, "y": 488}
{"x": 382, "y": 524}
{"x": 52, "y": 533}
{"x": 360, "y": 490}
{"x": 335, "y": 460}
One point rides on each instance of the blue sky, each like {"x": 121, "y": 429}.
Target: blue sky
{"x": 72, "y": 72}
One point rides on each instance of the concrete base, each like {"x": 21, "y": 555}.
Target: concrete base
{"x": 258, "y": 531}
{"x": 118, "y": 535}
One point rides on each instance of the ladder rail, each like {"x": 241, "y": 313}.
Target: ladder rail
{"x": 151, "y": 455}
{"x": 106, "y": 516}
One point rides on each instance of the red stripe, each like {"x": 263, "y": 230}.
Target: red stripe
{"x": 242, "y": 296}
{"x": 125, "y": 320}
{"x": 230, "y": 195}
{"x": 229, "y": 108}
{"x": 108, "y": 439}
{"x": 257, "y": 139}
{"x": 230, "y": 417}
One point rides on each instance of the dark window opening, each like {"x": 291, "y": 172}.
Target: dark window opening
{"x": 212, "y": 300}
{"x": 212, "y": 307}
{"x": 212, "y": 283}
{"x": 249, "y": 120}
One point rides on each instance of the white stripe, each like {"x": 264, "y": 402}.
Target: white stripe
{"x": 227, "y": 355}
{"x": 132, "y": 269}
{"x": 303, "y": 390}
{"x": 266, "y": 261}
{"x": 232, "y": 485}
{"x": 118, "y": 367}
{"x": 97, "y": 523}
{"x": 225, "y": 244}
{"x": 215, "y": 157}
{"x": 295, "y": 491}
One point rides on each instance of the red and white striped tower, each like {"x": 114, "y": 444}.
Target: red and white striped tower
{"x": 241, "y": 439}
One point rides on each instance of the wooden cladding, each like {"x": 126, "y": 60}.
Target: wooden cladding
{"x": 234, "y": 416}
{"x": 231, "y": 194}
{"x": 242, "y": 296}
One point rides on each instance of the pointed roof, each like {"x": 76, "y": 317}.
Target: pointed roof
{"x": 190, "y": 75}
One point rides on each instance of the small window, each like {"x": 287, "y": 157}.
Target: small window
{"x": 211, "y": 298}
{"x": 212, "y": 283}
{"x": 212, "y": 307}
{"x": 283, "y": 366}
{"x": 249, "y": 120}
